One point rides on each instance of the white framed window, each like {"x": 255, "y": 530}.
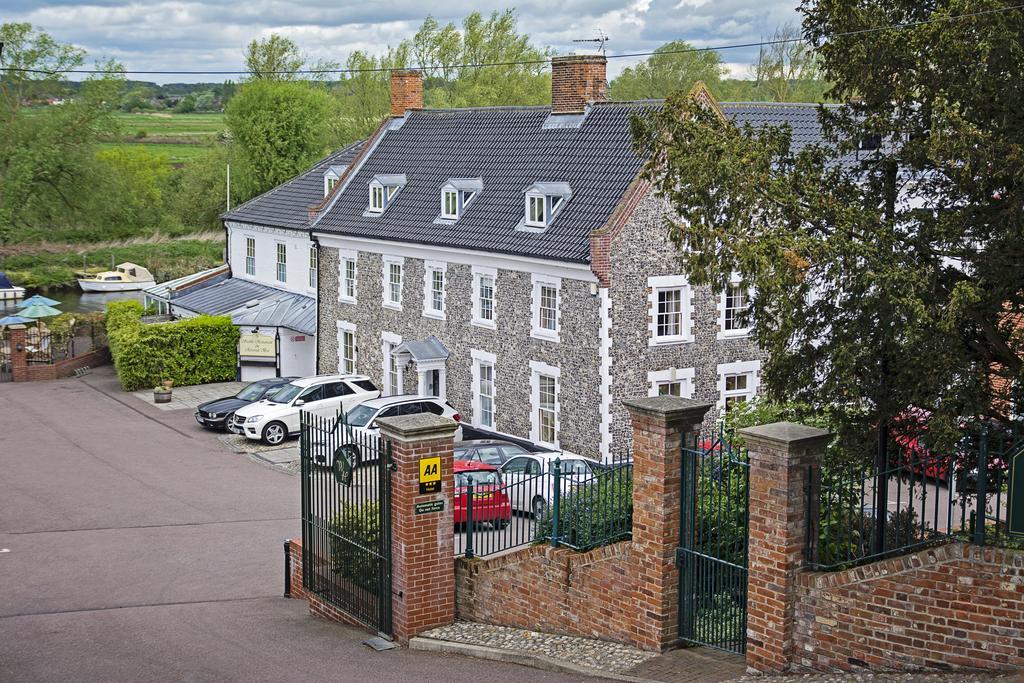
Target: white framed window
{"x": 332, "y": 182}
{"x": 393, "y": 266}
{"x": 282, "y": 262}
{"x": 670, "y": 302}
{"x": 546, "y": 307}
{"x": 376, "y": 197}
{"x": 544, "y": 403}
{"x": 346, "y": 347}
{"x": 737, "y": 383}
{"x": 671, "y": 382}
{"x": 484, "y": 291}
{"x": 733, "y": 305}
{"x": 434, "y": 276}
{"x": 250, "y": 256}
{"x": 449, "y": 203}
{"x": 348, "y": 276}
{"x": 536, "y": 211}
{"x": 383, "y": 189}
{"x": 393, "y": 371}
{"x": 312, "y": 266}
{"x": 483, "y": 388}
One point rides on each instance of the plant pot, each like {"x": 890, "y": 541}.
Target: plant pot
{"x": 161, "y": 397}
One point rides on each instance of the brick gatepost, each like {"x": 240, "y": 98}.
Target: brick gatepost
{"x": 660, "y": 425}
{"x": 422, "y": 545}
{"x": 782, "y": 456}
{"x": 19, "y": 357}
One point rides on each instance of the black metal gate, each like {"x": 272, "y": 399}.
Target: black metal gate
{"x": 346, "y": 519}
{"x": 712, "y": 554}
{"x": 5, "y": 355}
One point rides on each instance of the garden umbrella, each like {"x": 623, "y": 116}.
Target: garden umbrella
{"x": 15, "y": 320}
{"x": 39, "y": 311}
{"x": 38, "y": 299}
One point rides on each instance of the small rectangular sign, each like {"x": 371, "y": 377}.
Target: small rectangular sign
{"x": 1015, "y": 504}
{"x": 256, "y": 345}
{"x": 430, "y": 475}
{"x": 428, "y": 507}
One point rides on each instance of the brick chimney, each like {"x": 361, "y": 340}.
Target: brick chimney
{"x": 406, "y": 91}
{"x": 577, "y": 80}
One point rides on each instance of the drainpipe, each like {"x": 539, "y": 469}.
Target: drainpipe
{"x": 316, "y": 305}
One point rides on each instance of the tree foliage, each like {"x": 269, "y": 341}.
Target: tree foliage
{"x": 277, "y": 58}
{"x": 882, "y": 277}
{"x": 280, "y": 128}
{"x": 670, "y": 69}
{"x": 787, "y": 68}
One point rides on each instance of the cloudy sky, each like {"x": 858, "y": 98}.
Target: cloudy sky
{"x": 196, "y": 35}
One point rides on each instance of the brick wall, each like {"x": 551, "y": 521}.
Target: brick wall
{"x": 955, "y": 606}
{"x": 406, "y": 91}
{"x": 23, "y": 371}
{"x": 577, "y": 80}
{"x": 298, "y": 591}
{"x": 554, "y": 590}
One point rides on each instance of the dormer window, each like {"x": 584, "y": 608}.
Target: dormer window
{"x": 383, "y": 189}
{"x": 543, "y": 202}
{"x": 332, "y": 176}
{"x": 456, "y": 195}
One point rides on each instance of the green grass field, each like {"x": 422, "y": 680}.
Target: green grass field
{"x": 176, "y": 154}
{"x": 173, "y": 125}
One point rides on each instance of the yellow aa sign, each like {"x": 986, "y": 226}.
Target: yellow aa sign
{"x": 430, "y": 469}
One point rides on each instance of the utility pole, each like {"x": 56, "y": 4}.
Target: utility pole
{"x": 229, "y": 188}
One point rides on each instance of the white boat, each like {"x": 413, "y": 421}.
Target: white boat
{"x": 8, "y": 292}
{"x": 124, "y": 278}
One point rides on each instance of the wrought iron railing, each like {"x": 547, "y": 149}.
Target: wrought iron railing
{"x": 496, "y": 513}
{"x": 861, "y": 513}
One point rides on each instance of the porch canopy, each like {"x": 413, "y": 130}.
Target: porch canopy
{"x": 431, "y": 359}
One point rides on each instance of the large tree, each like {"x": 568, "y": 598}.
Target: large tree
{"x": 277, "y": 58}
{"x": 885, "y": 260}
{"x": 672, "y": 68}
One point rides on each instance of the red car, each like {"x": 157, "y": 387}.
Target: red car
{"x": 490, "y": 502}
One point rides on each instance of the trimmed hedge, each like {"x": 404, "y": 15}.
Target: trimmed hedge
{"x": 193, "y": 351}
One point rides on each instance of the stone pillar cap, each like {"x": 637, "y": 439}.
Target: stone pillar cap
{"x": 16, "y": 327}
{"x": 421, "y": 427}
{"x": 667, "y": 408}
{"x": 788, "y": 435}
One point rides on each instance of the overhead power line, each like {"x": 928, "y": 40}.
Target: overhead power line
{"x": 478, "y": 65}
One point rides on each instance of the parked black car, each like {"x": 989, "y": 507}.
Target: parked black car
{"x": 491, "y": 451}
{"x": 217, "y": 414}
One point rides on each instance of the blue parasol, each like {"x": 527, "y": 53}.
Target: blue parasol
{"x": 38, "y": 300}
{"x": 15, "y": 320}
{"x": 39, "y": 311}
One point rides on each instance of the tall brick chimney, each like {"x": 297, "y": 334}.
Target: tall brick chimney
{"x": 406, "y": 91}
{"x": 577, "y": 80}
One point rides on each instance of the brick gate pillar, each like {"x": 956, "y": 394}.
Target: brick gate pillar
{"x": 19, "y": 357}
{"x": 422, "y": 541}
{"x": 782, "y": 457}
{"x": 660, "y": 427}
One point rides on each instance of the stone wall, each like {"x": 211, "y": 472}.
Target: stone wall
{"x": 553, "y": 590}
{"x": 576, "y": 355}
{"x": 642, "y": 249}
{"x": 954, "y": 606}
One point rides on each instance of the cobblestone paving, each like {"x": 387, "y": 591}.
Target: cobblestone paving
{"x": 858, "y": 676}
{"x": 595, "y": 654}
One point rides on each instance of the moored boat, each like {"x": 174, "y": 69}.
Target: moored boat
{"x": 125, "y": 277}
{"x": 8, "y": 292}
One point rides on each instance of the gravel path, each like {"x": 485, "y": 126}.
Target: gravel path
{"x": 596, "y": 654}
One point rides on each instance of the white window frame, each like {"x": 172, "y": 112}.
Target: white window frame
{"x": 537, "y": 369}
{"x": 456, "y": 201}
{"x": 281, "y": 249}
{"x": 430, "y": 268}
{"x": 389, "y": 342}
{"x": 386, "y": 299}
{"x": 346, "y": 365}
{"x": 377, "y": 191}
{"x": 752, "y": 368}
{"x": 250, "y": 261}
{"x": 483, "y": 359}
{"x": 665, "y": 283}
{"x": 532, "y": 198}
{"x": 344, "y": 258}
{"x": 479, "y": 273}
{"x": 723, "y": 302}
{"x": 539, "y": 282}
{"x": 314, "y": 264}
{"x": 682, "y": 376}
{"x": 330, "y": 182}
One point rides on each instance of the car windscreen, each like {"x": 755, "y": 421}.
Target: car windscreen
{"x": 479, "y": 478}
{"x": 360, "y": 416}
{"x": 253, "y": 392}
{"x": 285, "y": 394}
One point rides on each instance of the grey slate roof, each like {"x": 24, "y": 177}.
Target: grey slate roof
{"x": 275, "y": 307}
{"x": 287, "y": 205}
{"x": 430, "y": 348}
{"x": 510, "y": 149}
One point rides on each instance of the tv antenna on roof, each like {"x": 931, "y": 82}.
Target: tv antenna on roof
{"x": 600, "y": 40}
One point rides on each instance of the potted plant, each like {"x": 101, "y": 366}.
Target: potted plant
{"x": 162, "y": 393}
{"x": 167, "y": 384}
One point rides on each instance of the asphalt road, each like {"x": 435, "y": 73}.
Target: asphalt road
{"x": 134, "y": 548}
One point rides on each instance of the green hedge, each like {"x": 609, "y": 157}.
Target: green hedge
{"x": 193, "y": 351}
{"x": 355, "y": 540}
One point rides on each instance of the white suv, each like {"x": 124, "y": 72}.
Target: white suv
{"x": 530, "y": 484}
{"x": 276, "y": 417}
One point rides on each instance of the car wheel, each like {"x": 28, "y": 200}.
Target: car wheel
{"x": 274, "y": 433}
{"x": 539, "y": 508}
{"x": 500, "y": 524}
{"x": 228, "y": 419}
